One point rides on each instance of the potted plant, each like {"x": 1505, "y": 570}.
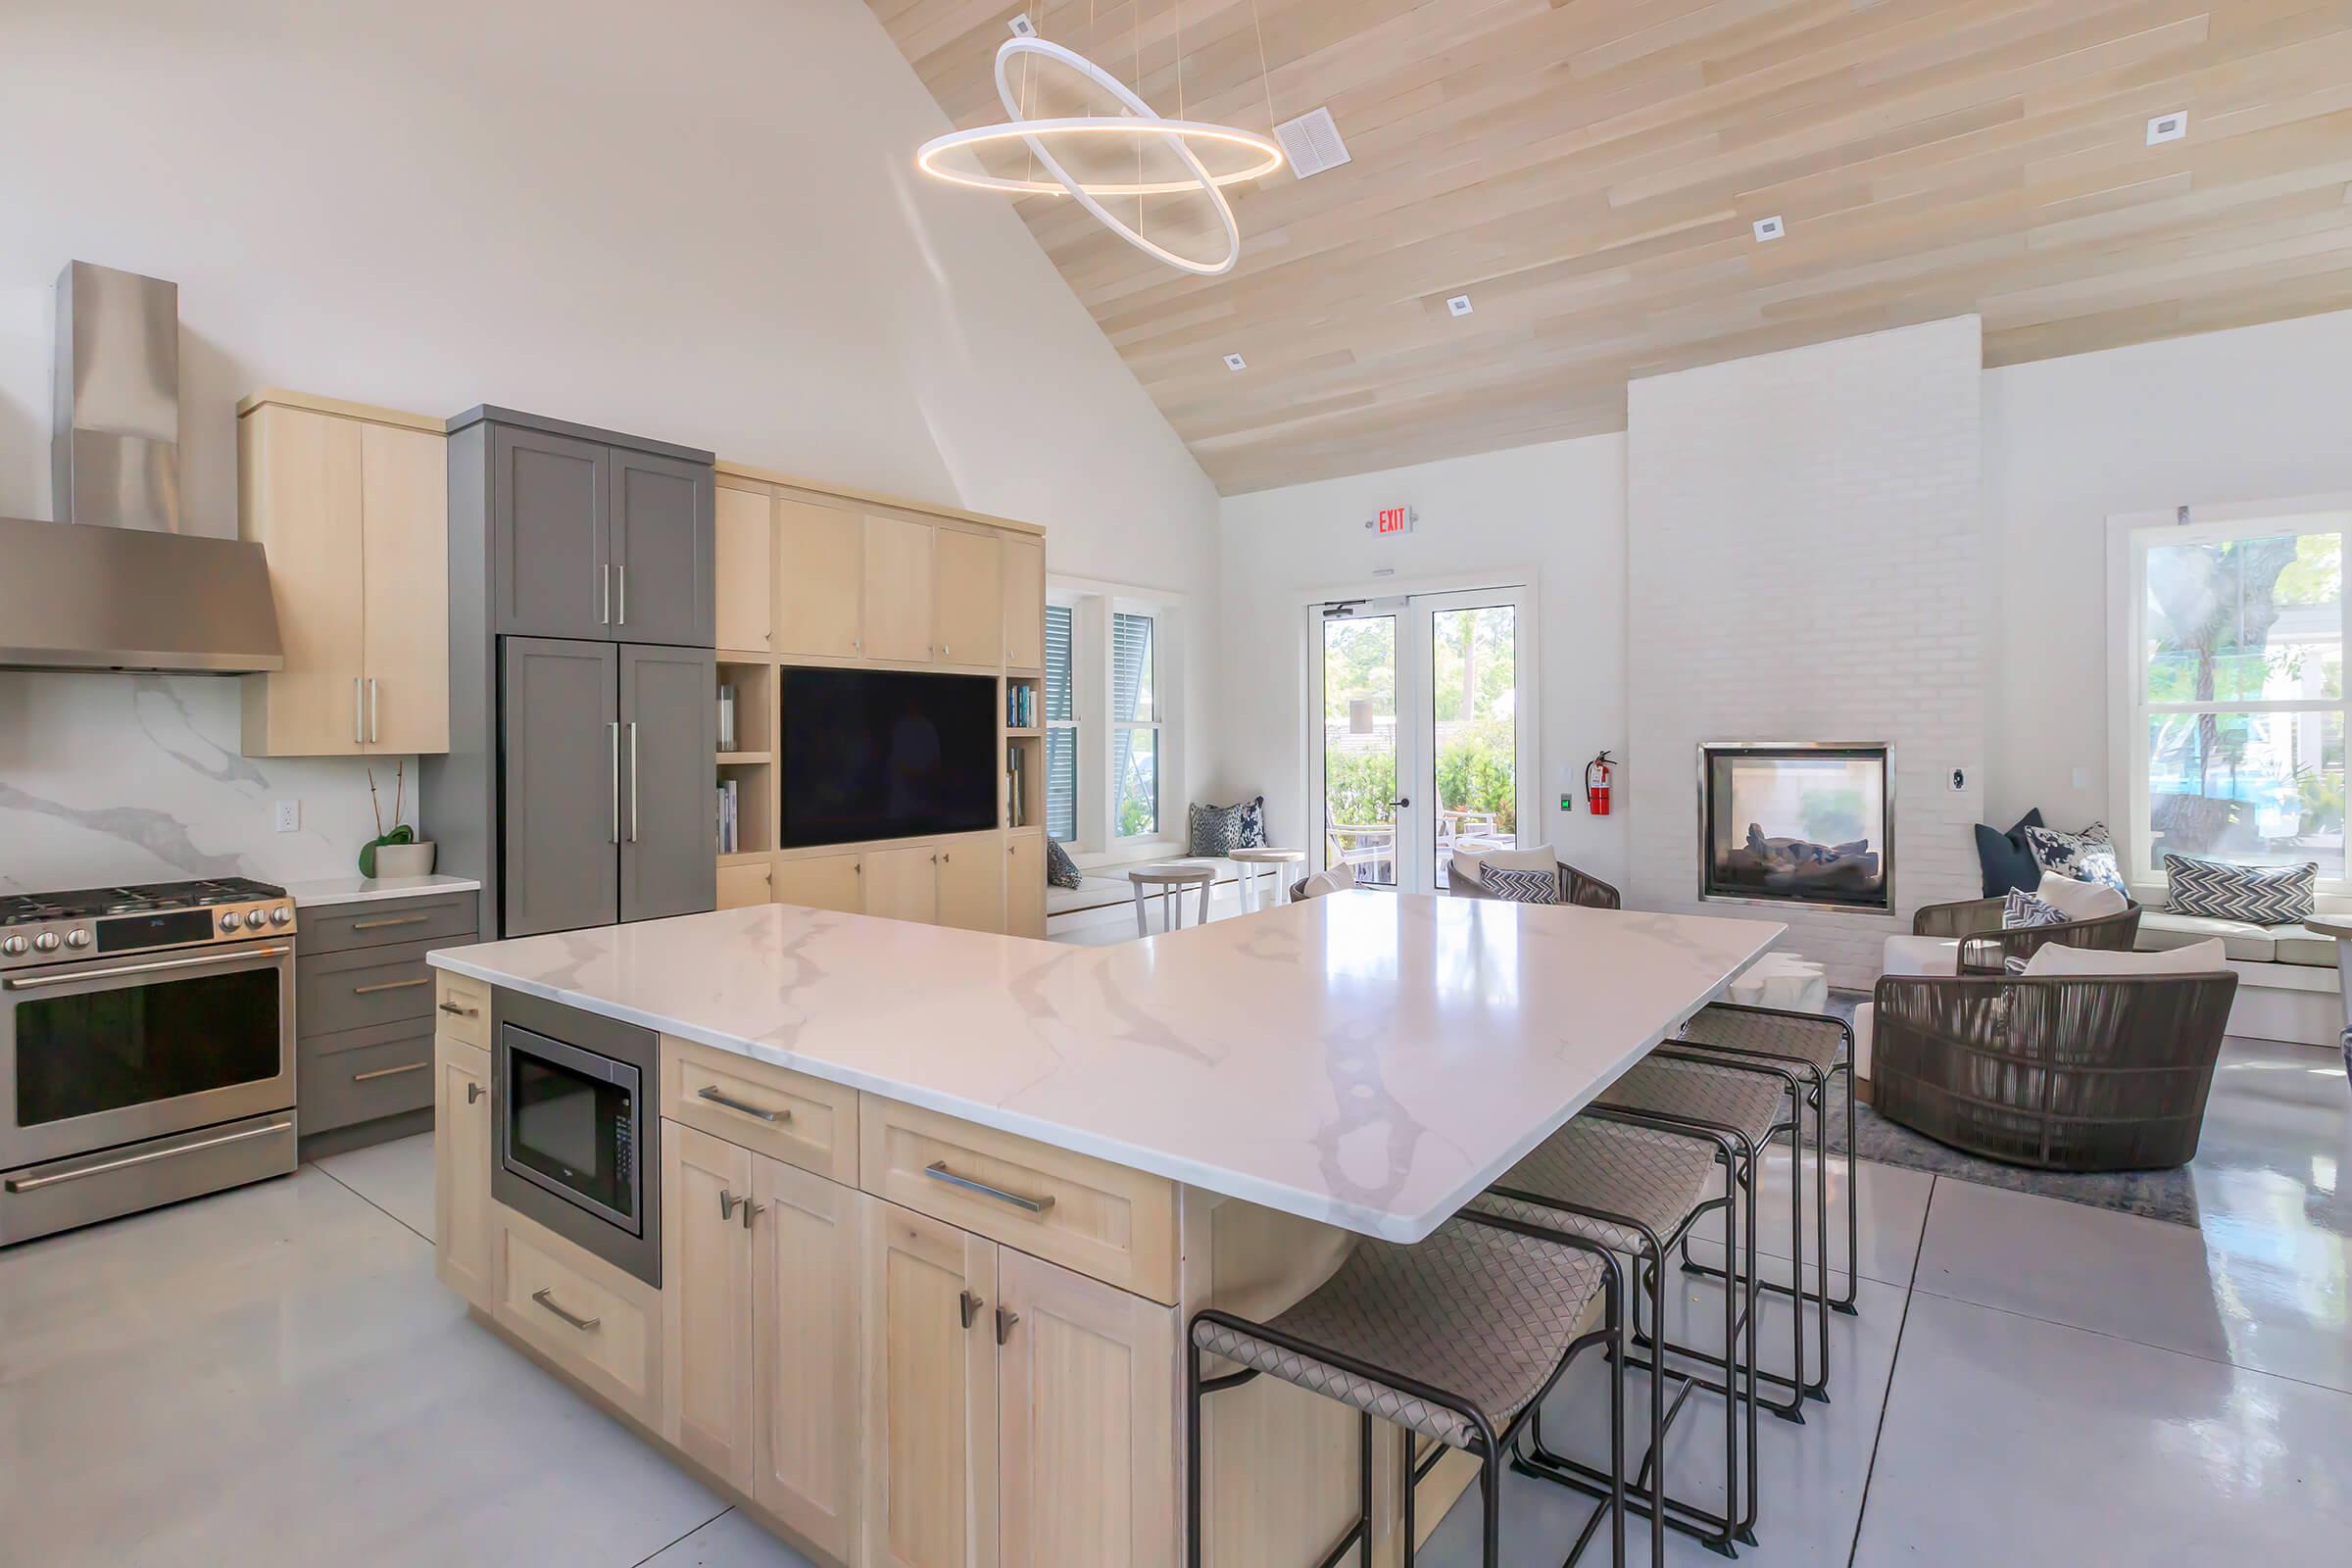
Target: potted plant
{"x": 399, "y": 851}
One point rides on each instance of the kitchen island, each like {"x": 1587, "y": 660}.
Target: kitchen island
{"x": 933, "y": 1206}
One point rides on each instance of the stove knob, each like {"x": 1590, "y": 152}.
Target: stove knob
{"x": 46, "y": 942}
{"x": 281, "y": 915}
{"x": 14, "y": 946}
{"x": 77, "y": 937}
{"x": 231, "y": 921}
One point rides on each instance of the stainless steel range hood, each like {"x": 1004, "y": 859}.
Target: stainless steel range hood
{"x": 114, "y": 584}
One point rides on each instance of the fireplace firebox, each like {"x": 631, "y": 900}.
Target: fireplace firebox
{"x": 1798, "y": 823}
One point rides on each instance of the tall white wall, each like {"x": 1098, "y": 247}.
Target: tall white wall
{"x": 1554, "y": 514}
{"x": 697, "y": 220}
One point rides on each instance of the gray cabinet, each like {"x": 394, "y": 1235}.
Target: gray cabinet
{"x": 664, "y": 535}
{"x": 364, "y": 1016}
{"x": 669, "y": 730}
{"x": 551, "y": 539}
{"x": 559, "y": 787}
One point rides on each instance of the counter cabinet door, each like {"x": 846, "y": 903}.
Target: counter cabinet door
{"x": 1087, "y": 1422}
{"x": 931, "y": 1393}
{"x": 903, "y": 884}
{"x": 971, "y": 883}
{"x": 1025, "y": 885}
{"x": 461, "y": 1221}
{"x": 706, "y": 1302}
{"x": 808, "y": 1286}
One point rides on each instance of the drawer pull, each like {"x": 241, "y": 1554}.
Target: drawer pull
{"x": 718, "y": 1097}
{"x": 389, "y": 921}
{"x": 391, "y": 985}
{"x": 583, "y": 1324}
{"x": 971, "y": 1306}
{"x": 389, "y": 1073}
{"x": 455, "y": 1011}
{"x": 473, "y": 1091}
{"x": 937, "y": 1170}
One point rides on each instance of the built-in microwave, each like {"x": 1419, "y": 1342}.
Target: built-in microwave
{"x": 577, "y": 1130}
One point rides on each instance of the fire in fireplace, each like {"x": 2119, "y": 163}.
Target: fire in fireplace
{"x": 1797, "y": 822}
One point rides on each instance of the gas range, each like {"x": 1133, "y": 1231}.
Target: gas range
{"x": 42, "y": 929}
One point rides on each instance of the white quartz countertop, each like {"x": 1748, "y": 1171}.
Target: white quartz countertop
{"x": 1368, "y": 1059}
{"x": 369, "y": 889}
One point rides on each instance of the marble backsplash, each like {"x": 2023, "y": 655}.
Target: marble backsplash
{"x": 138, "y": 778}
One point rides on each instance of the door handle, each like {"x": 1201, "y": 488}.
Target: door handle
{"x": 615, "y": 728}
{"x": 34, "y": 982}
{"x": 391, "y": 985}
{"x": 970, "y": 1307}
{"x": 621, "y": 616}
{"x": 938, "y": 1171}
{"x": 455, "y": 1011}
{"x": 632, "y": 780}
{"x": 604, "y": 576}
{"x": 1004, "y": 1322}
{"x": 1400, "y": 805}
{"x": 750, "y": 1212}
{"x": 396, "y": 919}
{"x": 388, "y": 1072}
{"x": 727, "y": 1203}
{"x": 33, "y": 1184}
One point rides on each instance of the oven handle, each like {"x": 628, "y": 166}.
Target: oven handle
{"x": 33, "y": 1184}
{"x": 33, "y": 982}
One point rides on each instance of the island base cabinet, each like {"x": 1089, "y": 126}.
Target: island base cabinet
{"x": 707, "y": 1307}
{"x": 463, "y": 1228}
{"x": 595, "y": 1324}
{"x": 806, "y": 1290}
{"x": 931, "y": 1395}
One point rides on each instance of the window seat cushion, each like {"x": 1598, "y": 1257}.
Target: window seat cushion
{"x": 1102, "y": 887}
{"x": 2161, "y": 929}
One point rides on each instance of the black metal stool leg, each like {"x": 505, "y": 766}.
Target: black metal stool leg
{"x": 1192, "y": 1453}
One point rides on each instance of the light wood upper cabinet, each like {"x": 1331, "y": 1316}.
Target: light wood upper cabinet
{"x": 462, "y": 1226}
{"x": 707, "y": 1394}
{"x": 931, "y": 1396}
{"x": 1025, "y": 885}
{"x": 898, "y": 590}
{"x": 351, "y": 508}
{"x": 903, "y": 884}
{"x": 744, "y": 544}
{"x": 1024, "y": 604}
{"x": 1086, "y": 1421}
{"x": 807, "y": 1287}
{"x": 821, "y": 580}
{"x": 971, "y": 883}
{"x": 969, "y": 598}
{"x": 821, "y": 882}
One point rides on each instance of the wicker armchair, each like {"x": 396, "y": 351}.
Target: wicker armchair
{"x": 1575, "y": 888}
{"x": 2074, "y": 1073}
{"x": 1985, "y": 948}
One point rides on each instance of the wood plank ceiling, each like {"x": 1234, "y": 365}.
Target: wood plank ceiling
{"x": 1587, "y": 171}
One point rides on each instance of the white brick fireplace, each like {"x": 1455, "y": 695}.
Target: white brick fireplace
{"x": 1806, "y": 561}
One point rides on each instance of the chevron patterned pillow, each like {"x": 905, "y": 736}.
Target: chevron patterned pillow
{"x": 1521, "y": 887}
{"x": 2260, "y": 895}
{"x": 2020, "y": 911}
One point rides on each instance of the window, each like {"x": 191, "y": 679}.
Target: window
{"x": 2232, "y": 729}
{"x": 1134, "y": 727}
{"x": 1061, "y": 729}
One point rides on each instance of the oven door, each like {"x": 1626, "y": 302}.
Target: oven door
{"x": 111, "y": 1050}
{"x": 571, "y": 1123}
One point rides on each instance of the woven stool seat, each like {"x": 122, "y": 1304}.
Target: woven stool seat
{"x": 1819, "y": 1042}
{"x": 1481, "y": 1314}
{"x": 1747, "y": 1103}
{"x": 1652, "y": 1180}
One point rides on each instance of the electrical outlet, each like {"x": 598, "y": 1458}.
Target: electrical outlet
{"x": 289, "y": 817}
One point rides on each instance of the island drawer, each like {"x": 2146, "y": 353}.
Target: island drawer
{"x": 340, "y": 927}
{"x": 594, "y": 1322}
{"x": 461, "y": 1009}
{"x": 359, "y": 1074}
{"x": 769, "y": 1110}
{"x": 1104, "y": 1220}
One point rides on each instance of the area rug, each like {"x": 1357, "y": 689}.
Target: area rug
{"x": 2166, "y": 1195}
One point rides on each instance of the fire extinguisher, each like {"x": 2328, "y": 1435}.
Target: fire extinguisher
{"x": 1598, "y": 773}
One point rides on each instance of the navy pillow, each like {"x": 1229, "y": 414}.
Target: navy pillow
{"x": 2007, "y": 858}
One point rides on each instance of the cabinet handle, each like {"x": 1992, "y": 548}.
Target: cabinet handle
{"x": 615, "y": 728}
{"x": 388, "y": 1072}
{"x": 604, "y": 576}
{"x": 750, "y": 1212}
{"x": 938, "y": 1171}
{"x": 390, "y": 919}
{"x": 971, "y": 1306}
{"x": 473, "y": 1091}
{"x": 727, "y": 1203}
{"x": 718, "y": 1097}
{"x": 374, "y": 711}
{"x": 1004, "y": 1322}
{"x": 391, "y": 985}
{"x": 545, "y": 1298}
{"x": 621, "y": 616}
{"x": 359, "y": 717}
{"x": 455, "y": 1011}
{"x": 632, "y": 781}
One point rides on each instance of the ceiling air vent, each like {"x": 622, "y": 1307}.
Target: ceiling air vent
{"x": 1311, "y": 144}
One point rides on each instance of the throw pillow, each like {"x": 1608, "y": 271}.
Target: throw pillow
{"x": 2021, "y": 911}
{"x": 1223, "y": 829}
{"x": 2260, "y": 895}
{"x": 2086, "y": 857}
{"x": 1338, "y": 879}
{"x": 2081, "y": 901}
{"x": 2198, "y": 957}
{"x": 1061, "y": 870}
{"x": 1472, "y": 861}
{"x": 1521, "y": 887}
{"x": 2006, "y": 858}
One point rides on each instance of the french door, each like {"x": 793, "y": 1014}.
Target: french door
{"x": 1422, "y": 734}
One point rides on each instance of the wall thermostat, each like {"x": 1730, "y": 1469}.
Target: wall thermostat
{"x": 1959, "y": 781}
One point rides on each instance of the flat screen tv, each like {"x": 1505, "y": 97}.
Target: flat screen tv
{"x": 877, "y": 754}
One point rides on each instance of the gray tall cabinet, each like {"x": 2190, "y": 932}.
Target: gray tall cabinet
{"x": 583, "y": 720}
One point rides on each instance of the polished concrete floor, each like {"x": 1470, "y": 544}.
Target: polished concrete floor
{"x": 272, "y": 1376}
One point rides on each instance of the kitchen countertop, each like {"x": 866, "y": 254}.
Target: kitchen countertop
{"x": 368, "y": 888}
{"x": 1370, "y": 1060}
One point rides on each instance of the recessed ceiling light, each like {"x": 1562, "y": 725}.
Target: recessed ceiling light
{"x": 2167, "y": 128}
{"x": 1770, "y": 227}
{"x": 1234, "y": 362}
{"x": 1459, "y": 305}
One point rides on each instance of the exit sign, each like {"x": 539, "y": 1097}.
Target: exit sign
{"x": 1394, "y": 520}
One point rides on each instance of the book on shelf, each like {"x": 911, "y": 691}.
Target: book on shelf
{"x": 726, "y": 719}
{"x": 730, "y": 827}
{"x": 1012, "y": 769}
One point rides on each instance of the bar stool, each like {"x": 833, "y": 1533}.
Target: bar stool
{"x": 1637, "y": 1185}
{"x": 1251, "y": 862}
{"x": 1169, "y": 880}
{"x": 1456, "y": 1339}
{"x": 1817, "y": 1048}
